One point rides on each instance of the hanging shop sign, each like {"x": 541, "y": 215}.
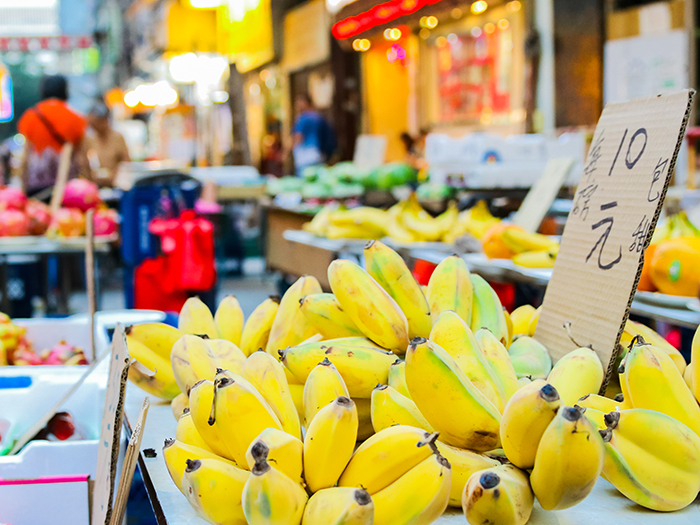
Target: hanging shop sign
{"x": 54, "y": 43}
{"x": 380, "y": 14}
{"x": 244, "y": 31}
{"x": 306, "y": 40}
{"x": 190, "y": 30}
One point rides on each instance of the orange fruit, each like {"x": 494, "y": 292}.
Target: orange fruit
{"x": 675, "y": 266}
{"x": 493, "y": 244}
{"x": 645, "y": 282}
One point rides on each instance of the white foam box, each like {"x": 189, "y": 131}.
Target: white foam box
{"x": 60, "y": 500}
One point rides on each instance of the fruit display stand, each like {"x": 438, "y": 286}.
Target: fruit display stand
{"x": 605, "y": 503}
{"x": 14, "y": 251}
{"x": 503, "y": 270}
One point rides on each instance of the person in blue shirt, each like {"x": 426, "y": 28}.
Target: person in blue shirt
{"x": 314, "y": 139}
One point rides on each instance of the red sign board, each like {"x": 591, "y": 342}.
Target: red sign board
{"x": 380, "y": 14}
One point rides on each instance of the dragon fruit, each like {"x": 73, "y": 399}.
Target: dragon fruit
{"x": 39, "y": 216}
{"x": 68, "y": 222}
{"x": 13, "y": 223}
{"x": 64, "y": 354}
{"x": 81, "y": 194}
{"x": 12, "y": 198}
{"x": 26, "y": 356}
{"x": 105, "y": 221}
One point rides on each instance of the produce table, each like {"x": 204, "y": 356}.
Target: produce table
{"x": 24, "y": 249}
{"x": 504, "y": 270}
{"x": 604, "y": 505}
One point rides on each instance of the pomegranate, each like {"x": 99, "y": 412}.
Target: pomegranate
{"x": 39, "y": 216}
{"x": 81, "y": 194}
{"x": 105, "y": 221}
{"x": 69, "y": 222}
{"x": 12, "y": 198}
{"x": 13, "y": 223}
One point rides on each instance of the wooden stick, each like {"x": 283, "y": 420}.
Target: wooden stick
{"x": 90, "y": 276}
{"x": 130, "y": 459}
{"x": 43, "y": 420}
{"x": 62, "y": 177}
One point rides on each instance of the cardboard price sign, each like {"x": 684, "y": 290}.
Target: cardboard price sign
{"x": 615, "y": 209}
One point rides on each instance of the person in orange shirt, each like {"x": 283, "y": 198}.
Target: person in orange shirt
{"x": 47, "y": 127}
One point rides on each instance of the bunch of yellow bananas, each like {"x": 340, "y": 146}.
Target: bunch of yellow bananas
{"x": 531, "y": 250}
{"x": 405, "y": 222}
{"x": 470, "y": 413}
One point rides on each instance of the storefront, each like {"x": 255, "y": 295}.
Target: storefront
{"x": 438, "y": 65}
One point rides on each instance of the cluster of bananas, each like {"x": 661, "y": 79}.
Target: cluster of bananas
{"x": 405, "y": 222}
{"x": 531, "y": 250}
{"x": 454, "y": 401}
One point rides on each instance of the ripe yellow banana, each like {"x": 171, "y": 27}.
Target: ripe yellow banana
{"x": 323, "y": 386}
{"x": 192, "y": 360}
{"x": 290, "y": 326}
{"x": 229, "y": 319}
{"x": 390, "y": 271}
{"x": 526, "y": 417}
{"x": 533, "y": 321}
{"x": 509, "y": 325}
{"x": 390, "y": 408}
{"x": 419, "y": 497}
{"x": 241, "y": 413}
{"x": 652, "y": 381}
{"x": 596, "y": 402}
{"x": 386, "y": 456}
{"x": 362, "y": 368}
{"x": 498, "y": 496}
{"x": 530, "y": 358}
{"x": 633, "y": 329}
{"x": 652, "y": 459}
{"x": 214, "y": 488}
{"x": 519, "y": 241}
{"x": 497, "y": 356}
{"x": 329, "y": 443}
{"x": 176, "y": 454}
{"x": 464, "y": 463}
{"x": 372, "y": 310}
{"x": 693, "y": 376}
{"x": 196, "y": 319}
{"x": 536, "y": 259}
{"x": 452, "y": 334}
{"x": 297, "y": 392}
{"x": 228, "y": 355}
{"x": 450, "y": 288}
{"x": 487, "y": 311}
{"x": 578, "y": 373}
{"x": 521, "y": 318}
{"x": 272, "y": 498}
{"x": 285, "y": 452}
{"x": 352, "y": 231}
{"x": 339, "y": 506}
{"x": 422, "y": 225}
{"x": 186, "y": 432}
{"x": 363, "y": 218}
{"x": 153, "y": 374}
{"x": 364, "y": 418}
{"x": 443, "y": 394}
{"x": 202, "y": 413}
{"x": 397, "y": 377}
{"x": 159, "y": 337}
{"x": 327, "y": 317}
{"x": 256, "y": 331}
{"x": 568, "y": 462}
{"x": 178, "y": 405}
{"x": 266, "y": 374}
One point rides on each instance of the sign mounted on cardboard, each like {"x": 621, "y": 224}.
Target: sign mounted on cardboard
{"x": 615, "y": 210}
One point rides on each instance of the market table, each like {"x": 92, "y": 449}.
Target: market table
{"x": 604, "y": 505}
{"x": 14, "y": 250}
